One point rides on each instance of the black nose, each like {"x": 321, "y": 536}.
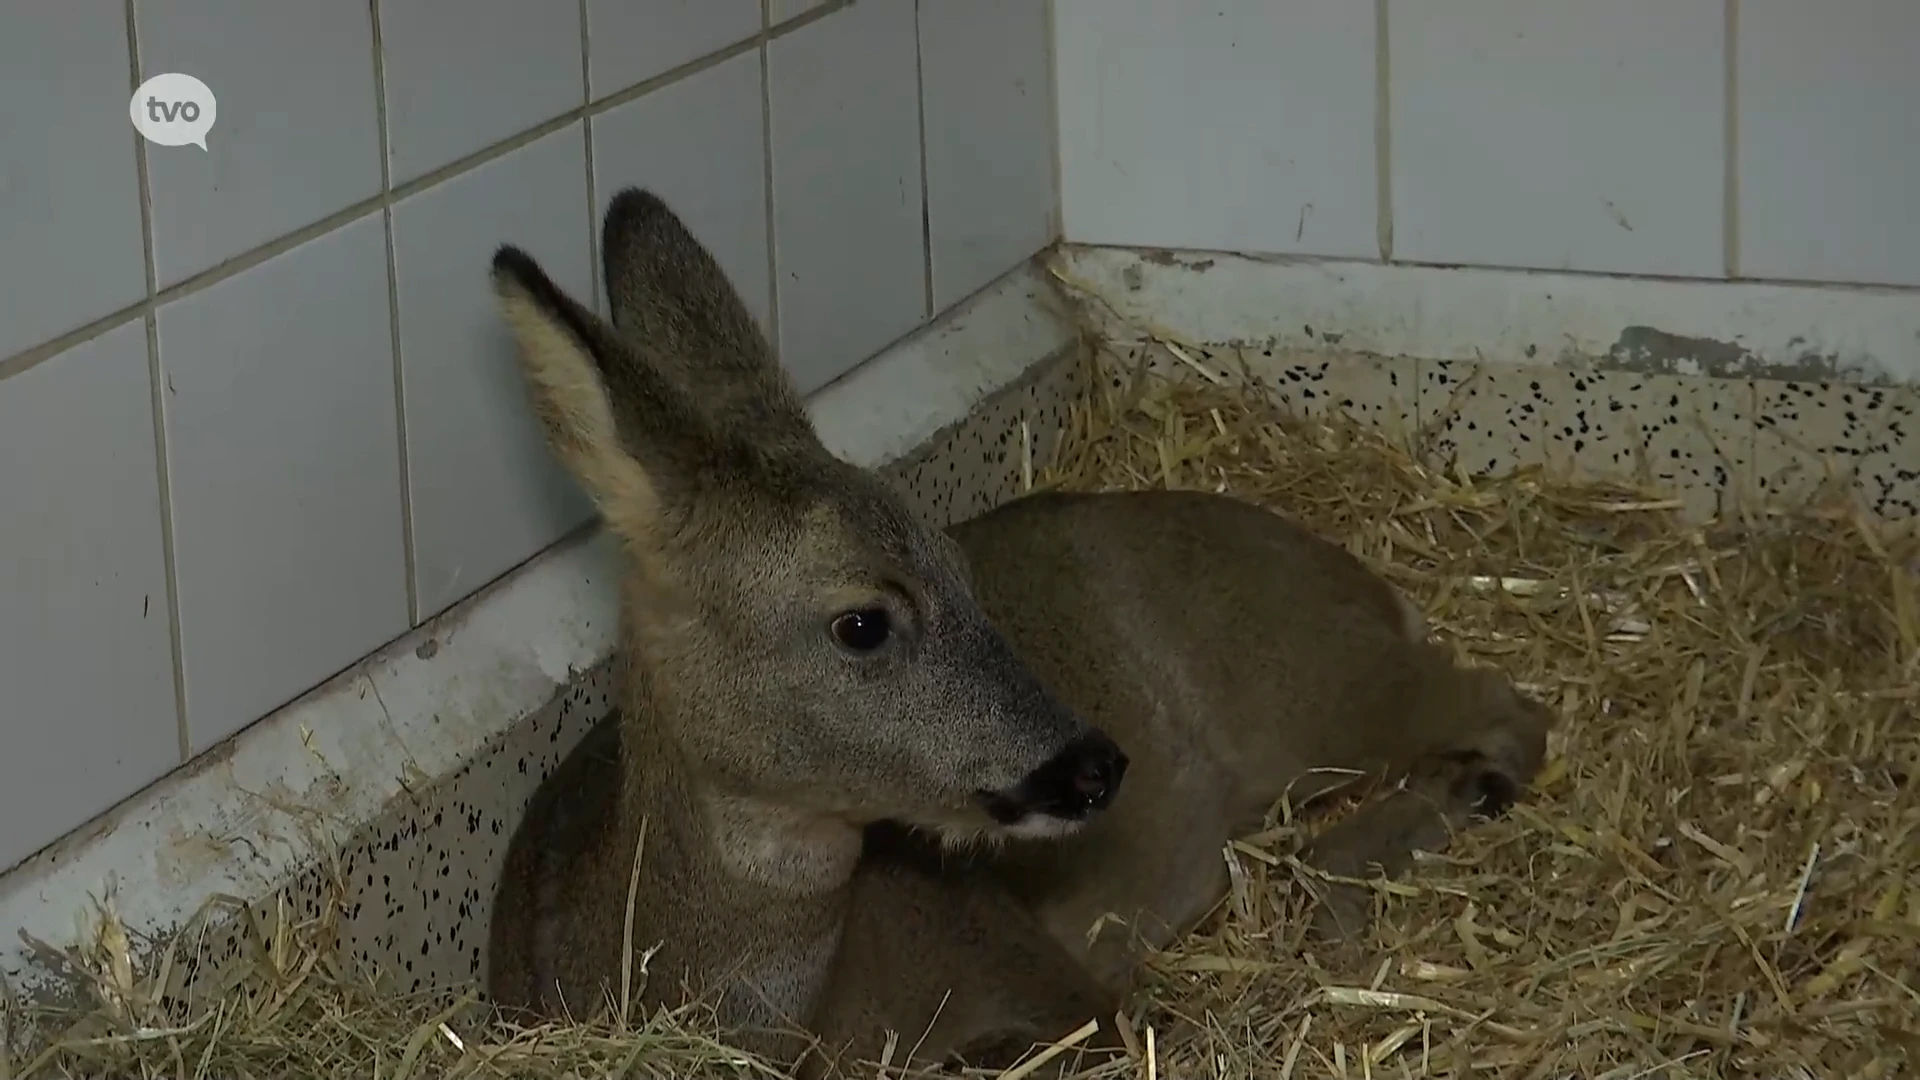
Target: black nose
{"x": 1079, "y": 780}
{"x": 1094, "y": 771}
{"x": 1494, "y": 793}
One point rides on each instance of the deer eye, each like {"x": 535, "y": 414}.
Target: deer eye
{"x": 862, "y": 631}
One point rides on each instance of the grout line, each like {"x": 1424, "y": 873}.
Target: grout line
{"x": 764, "y": 42}
{"x": 766, "y": 182}
{"x": 246, "y": 260}
{"x": 384, "y": 132}
{"x": 1730, "y": 187}
{"x": 926, "y": 204}
{"x": 806, "y": 18}
{"x": 1052, "y": 31}
{"x": 1383, "y": 130}
{"x": 156, "y": 380}
{"x": 586, "y": 137}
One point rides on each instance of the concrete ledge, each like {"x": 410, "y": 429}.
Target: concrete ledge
{"x": 881, "y": 412}
{"x": 1651, "y": 325}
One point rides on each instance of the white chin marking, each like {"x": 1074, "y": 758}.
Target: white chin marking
{"x": 1042, "y": 827}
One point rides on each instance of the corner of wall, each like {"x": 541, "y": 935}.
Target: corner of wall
{"x": 1059, "y": 230}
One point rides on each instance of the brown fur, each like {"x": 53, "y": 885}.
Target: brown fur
{"x": 1249, "y": 660}
{"x": 1227, "y": 650}
{"x": 948, "y": 960}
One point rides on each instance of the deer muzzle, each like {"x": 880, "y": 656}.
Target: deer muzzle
{"x": 1072, "y": 785}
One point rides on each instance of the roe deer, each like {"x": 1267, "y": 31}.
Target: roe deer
{"x": 801, "y": 658}
{"x": 806, "y": 660}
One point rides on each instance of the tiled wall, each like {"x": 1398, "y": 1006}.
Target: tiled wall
{"x": 1771, "y": 139}
{"x": 257, "y": 417}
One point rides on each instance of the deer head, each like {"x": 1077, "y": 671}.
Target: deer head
{"x": 802, "y": 637}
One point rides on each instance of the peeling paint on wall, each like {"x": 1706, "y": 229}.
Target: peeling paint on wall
{"x": 1653, "y": 351}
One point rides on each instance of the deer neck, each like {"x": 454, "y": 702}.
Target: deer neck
{"x": 711, "y": 829}
{"x": 749, "y": 896}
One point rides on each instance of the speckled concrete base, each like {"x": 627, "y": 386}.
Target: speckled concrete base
{"x": 1722, "y": 394}
{"x": 1713, "y": 442}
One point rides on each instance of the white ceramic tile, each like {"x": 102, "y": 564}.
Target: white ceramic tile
{"x": 985, "y": 71}
{"x": 1829, "y": 141}
{"x": 699, "y": 144}
{"x": 296, "y": 136}
{"x": 284, "y": 456}
{"x": 1242, "y": 125}
{"x": 85, "y": 646}
{"x": 462, "y": 75}
{"x": 779, "y": 11}
{"x": 847, "y": 207}
{"x": 1559, "y": 134}
{"x": 631, "y": 41}
{"x": 486, "y": 492}
{"x": 70, "y": 201}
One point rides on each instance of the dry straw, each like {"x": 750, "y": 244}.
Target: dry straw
{"x": 1718, "y": 873}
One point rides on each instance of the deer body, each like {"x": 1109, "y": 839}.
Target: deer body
{"x": 729, "y": 897}
{"x": 1244, "y": 659}
{"x": 809, "y": 667}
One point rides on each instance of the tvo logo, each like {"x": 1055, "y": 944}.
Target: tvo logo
{"x": 173, "y": 110}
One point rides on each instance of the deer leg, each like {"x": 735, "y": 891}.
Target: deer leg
{"x": 1002, "y": 1050}
{"x": 1441, "y": 796}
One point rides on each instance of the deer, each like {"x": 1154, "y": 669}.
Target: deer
{"x": 855, "y": 785}
{"x": 799, "y": 656}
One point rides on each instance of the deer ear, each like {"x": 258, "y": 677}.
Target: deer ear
{"x": 671, "y": 300}
{"x": 564, "y": 351}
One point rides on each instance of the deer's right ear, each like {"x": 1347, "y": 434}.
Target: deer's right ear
{"x": 562, "y": 349}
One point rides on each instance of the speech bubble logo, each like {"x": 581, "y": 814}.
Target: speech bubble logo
{"x": 173, "y": 110}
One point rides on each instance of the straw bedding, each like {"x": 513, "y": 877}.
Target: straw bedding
{"x": 1717, "y": 874}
